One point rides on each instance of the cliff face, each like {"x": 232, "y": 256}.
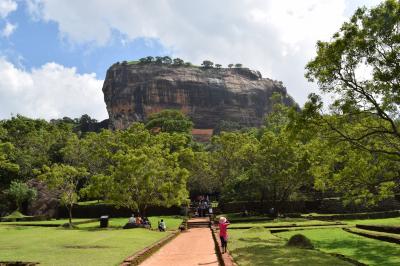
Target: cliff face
{"x": 208, "y": 96}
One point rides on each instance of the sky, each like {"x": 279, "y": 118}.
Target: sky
{"x": 54, "y": 54}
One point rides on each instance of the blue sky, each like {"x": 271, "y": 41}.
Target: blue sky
{"x": 36, "y": 42}
{"x": 54, "y": 53}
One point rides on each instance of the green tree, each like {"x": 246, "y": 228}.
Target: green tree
{"x": 146, "y": 60}
{"x": 238, "y": 65}
{"x": 207, "y": 64}
{"x": 149, "y": 176}
{"x": 233, "y": 154}
{"x": 21, "y": 192}
{"x": 178, "y": 62}
{"x": 360, "y": 65}
{"x": 64, "y": 179}
{"x": 170, "y": 120}
{"x": 218, "y": 66}
{"x": 158, "y": 60}
{"x": 36, "y": 143}
{"x": 227, "y": 126}
{"x": 7, "y": 168}
{"x": 359, "y": 176}
{"x": 201, "y": 176}
{"x": 280, "y": 169}
{"x": 230, "y": 65}
{"x": 166, "y": 60}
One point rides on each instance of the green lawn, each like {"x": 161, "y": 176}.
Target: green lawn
{"x": 386, "y": 221}
{"x": 60, "y": 221}
{"x": 257, "y": 246}
{"x": 366, "y": 250}
{"x": 59, "y": 246}
{"x": 280, "y": 222}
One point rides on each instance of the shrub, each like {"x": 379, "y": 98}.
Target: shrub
{"x": 300, "y": 241}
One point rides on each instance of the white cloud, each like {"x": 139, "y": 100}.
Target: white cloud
{"x": 6, "y": 7}
{"x": 8, "y": 29}
{"x": 51, "y": 91}
{"x": 276, "y": 37}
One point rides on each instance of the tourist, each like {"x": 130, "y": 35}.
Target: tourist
{"x": 162, "y": 226}
{"x": 223, "y": 233}
{"x": 131, "y": 219}
{"x": 146, "y": 222}
{"x": 138, "y": 220}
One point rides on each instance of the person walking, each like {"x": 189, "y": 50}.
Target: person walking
{"x": 223, "y": 233}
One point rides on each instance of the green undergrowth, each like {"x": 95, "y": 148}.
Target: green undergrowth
{"x": 257, "y": 246}
{"x": 365, "y": 250}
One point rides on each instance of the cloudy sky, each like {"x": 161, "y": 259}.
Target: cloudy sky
{"x": 54, "y": 53}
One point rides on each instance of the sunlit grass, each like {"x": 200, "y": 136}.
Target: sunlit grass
{"x": 365, "y": 250}
{"x": 257, "y": 246}
{"x": 86, "y": 245}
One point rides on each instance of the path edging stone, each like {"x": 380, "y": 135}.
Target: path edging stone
{"x": 377, "y": 237}
{"x": 143, "y": 254}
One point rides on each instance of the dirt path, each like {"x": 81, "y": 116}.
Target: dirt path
{"x": 193, "y": 247}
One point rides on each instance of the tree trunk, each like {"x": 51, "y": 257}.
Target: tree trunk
{"x": 70, "y": 215}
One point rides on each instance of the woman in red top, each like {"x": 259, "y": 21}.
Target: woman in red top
{"x": 223, "y": 233}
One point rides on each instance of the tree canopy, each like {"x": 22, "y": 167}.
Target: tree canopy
{"x": 170, "y": 120}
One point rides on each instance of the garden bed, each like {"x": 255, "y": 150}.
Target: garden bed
{"x": 380, "y": 228}
{"x": 392, "y": 238}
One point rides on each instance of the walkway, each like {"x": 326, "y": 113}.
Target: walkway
{"x": 193, "y": 247}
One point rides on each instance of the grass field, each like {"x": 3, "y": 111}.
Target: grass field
{"x": 280, "y": 222}
{"x": 386, "y": 221}
{"x": 83, "y": 246}
{"x": 60, "y": 221}
{"x": 366, "y": 250}
{"x": 257, "y": 246}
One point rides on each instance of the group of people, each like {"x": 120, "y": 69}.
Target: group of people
{"x": 138, "y": 221}
{"x": 203, "y": 207}
{"x": 135, "y": 222}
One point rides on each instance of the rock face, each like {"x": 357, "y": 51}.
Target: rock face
{"x": 134, "y": 91}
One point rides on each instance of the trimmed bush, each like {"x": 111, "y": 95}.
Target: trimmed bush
{"x": 300, "y": 241}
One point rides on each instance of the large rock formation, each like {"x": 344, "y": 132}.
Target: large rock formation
{"x": 134, "y": 91}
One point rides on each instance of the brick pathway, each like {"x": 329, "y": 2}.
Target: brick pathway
{"x": 193, "y": 247}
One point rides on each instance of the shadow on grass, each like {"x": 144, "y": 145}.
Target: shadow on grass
{"x": 261, "y": 254}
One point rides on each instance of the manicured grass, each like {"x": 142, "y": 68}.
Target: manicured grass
{"x": 237, "y": 216}
{"x": 59, "y": 246}
{"x": 365, "y": 250}
{"x": 386, "y": 221}
{"x": 90, "y": 202}
{"x": 60, "y": 221}
{"x": 257, "y": 246}
{"x": 279, "y": 222}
